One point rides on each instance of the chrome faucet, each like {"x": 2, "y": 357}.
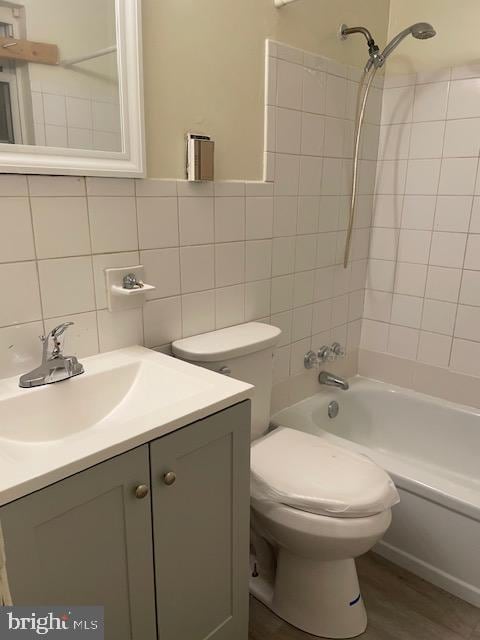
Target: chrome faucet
{"x": 55, "y": 366}
{"x": 333, "y": 381}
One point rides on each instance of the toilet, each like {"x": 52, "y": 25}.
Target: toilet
{"x": 315, "y": 507}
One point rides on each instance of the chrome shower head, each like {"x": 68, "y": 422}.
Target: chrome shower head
{"x": 423, "y": 31}
{"x": 420, "y": 31}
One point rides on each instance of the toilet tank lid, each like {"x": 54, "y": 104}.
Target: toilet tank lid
{"x": 227, "y": 343}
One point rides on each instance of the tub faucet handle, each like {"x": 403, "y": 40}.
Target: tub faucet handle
{"x": 337, "y": 350}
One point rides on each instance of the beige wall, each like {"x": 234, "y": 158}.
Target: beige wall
{"x": 457, "y": 42}
{"x": 204, "y": 70}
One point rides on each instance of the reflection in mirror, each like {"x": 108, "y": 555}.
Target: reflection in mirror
{"x": 59, "y": 82}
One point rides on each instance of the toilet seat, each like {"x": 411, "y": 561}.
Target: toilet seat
{"x": 304, "y": 472}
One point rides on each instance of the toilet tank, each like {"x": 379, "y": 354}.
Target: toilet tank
{"x": 244, "y": 352}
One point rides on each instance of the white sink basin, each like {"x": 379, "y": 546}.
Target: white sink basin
{"x": 125, "y": 398}
{"x": 58, "y": 410}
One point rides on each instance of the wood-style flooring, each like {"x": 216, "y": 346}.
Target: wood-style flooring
{"x": 400, "y": 606}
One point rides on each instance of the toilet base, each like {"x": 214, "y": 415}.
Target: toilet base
{"x": 319, "y": 597}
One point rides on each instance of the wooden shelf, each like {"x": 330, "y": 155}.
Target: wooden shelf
{"x": 28, "y": 51}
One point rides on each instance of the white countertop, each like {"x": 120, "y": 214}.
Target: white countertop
{"x": 166, "y": 394}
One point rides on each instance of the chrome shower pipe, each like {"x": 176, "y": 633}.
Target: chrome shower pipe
{"x": 282, "y": 3}
{"x": 360, "y": 117}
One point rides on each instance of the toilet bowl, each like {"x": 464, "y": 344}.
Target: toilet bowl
{"x": 314, "y": 507}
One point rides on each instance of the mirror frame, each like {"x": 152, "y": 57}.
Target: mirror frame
{"x": 131, "y": 162}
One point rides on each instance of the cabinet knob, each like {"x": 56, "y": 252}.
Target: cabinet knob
{"x": 141, "y": 491}
{"x": 169, "y": 478}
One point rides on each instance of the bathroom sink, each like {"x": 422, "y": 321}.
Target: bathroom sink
{"x": 124, "y": 399}
{"x": 58, "y": 410}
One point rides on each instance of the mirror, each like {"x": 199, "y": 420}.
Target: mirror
{"x": 70, "y": 87}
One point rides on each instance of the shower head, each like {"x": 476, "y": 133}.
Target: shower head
{"x": 420, "y": 31}
{"x": 423, "y": 31}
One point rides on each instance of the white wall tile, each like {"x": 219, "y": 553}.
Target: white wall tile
{"x": 285, "y": 216}
{"x": 283, "y": 255}
{"x": 466, "y": 357}
{"x": 430, "y": 101}
{"x": 288, "y": 131}
{"x": 411, "y": 279}
{"x": 439, "y": 317}
{"x": 196, "y": 220}
{"x": 113, "y": 213}
{"x": 258, "y": 260}
{"x": 289, "y": 85}
{"x": 162, "y": 270}
{"x": 198, "y": 313}
{"x": 16, "y": 239}
{"x": 443, "y": 283}
{"x": 463, "y": 100}
{"x": 229, "y": 263}
{"x": 472, "y": 256}
{"x": 197, "y": 268}
{"x": 257, "y": 299}
{"x": 418, "y": 212}
{"x": 229, "y": 219}
{"x": 462, "y": 138}
{"x": 162, "y": 321}
{"x": 67, "y": 286}
{"x": 434, "y": 349}
{"x": 282, "y": 294}
{"x": 22, "y": 302}
{"x": 229, "y": 306}
{"x": 422, "y": 177}
{"x": 448, "y": 249}
{"x": 110, "y": 187}
{"x": 426, "y": 140}
{"x": 407, "y": 311}
{"x": 120, "y": 329}
{"x": 458, "y": 176}
{"x": 314, "y": 91}
{"x": 403, "y": 342}
{"x": 467, "y": 325}
{"x": 61, "y": 227}
{"x": 56, "y": 186}
{"x": 470, "y": 289}
{"x": 157, "y": 222}
{"x": 259, "y": 218}
{"x": 453, "y": 213}
{"x": 20, "y": 348}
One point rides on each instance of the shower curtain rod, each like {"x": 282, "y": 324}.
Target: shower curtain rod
{"x": 97, "y": 54}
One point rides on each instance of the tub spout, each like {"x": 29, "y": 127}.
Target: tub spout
{"x": 333, "y": 381}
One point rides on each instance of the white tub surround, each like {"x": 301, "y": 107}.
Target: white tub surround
{"x": 134, "y": 395}
{"x": 430, "y": 449}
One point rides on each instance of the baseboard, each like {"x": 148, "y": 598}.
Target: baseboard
{"x": 445, "y": 581}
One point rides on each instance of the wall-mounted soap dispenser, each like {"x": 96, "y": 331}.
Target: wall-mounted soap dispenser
{"x": 200, "y": 158}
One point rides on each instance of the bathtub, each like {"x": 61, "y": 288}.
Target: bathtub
{"x": 431, "y": 449}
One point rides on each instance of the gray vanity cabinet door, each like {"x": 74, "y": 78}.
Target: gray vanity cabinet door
{"x": 87, "y": 540}
{"x": 201, "y": 528}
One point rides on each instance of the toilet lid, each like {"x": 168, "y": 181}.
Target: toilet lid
{"x": 305, "y": 472}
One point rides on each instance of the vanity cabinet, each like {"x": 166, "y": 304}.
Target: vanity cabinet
{"x": 170, "y": 563}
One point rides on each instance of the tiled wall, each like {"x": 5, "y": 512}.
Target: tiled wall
{"x": 75, "y": 121}
{"x": 309, "y": 143}
{"x": 219, "y": 254}
{"x": 423, "y": 286}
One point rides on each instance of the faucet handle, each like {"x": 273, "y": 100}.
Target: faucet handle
{"x": 60, "y": 330}
{"x": 56, "y": 333}
{"x": 337, "y": 350}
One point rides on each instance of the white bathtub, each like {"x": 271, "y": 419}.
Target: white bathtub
{"x": 431, "y": 448}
